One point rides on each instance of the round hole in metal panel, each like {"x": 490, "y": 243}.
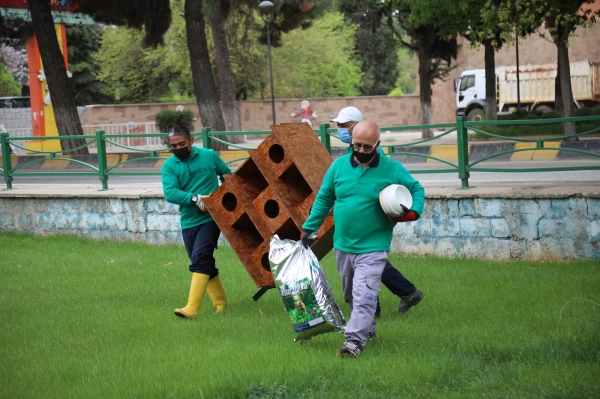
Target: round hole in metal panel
{"x": 271, "y": 209}
{"x": 264, "y": 261}
{"x": 276, "y": 153}
{"x": 229, "y": 202}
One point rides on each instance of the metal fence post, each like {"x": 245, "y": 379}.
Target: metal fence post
{"x": 6, "y": 160}
{"x": 101, "y": 146}
{"x": 463, "y": 151}
{"x": 206, "y": 143}
{"x": 325, "y": 138}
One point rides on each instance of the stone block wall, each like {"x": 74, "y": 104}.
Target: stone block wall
{"x": 15, "y": 118}
{"x": 504, "y": 228}
{"x": 256, "y": 115}
{"x": 465, "y": 224}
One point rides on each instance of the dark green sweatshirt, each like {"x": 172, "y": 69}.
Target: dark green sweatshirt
{"x": 361, "y": 225}
{"x": 195, "y": 175}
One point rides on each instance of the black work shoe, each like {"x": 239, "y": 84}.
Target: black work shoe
{"x": 350, "y": 349}
{"x": 407, "y": 302}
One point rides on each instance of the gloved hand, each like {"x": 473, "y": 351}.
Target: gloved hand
{"x": 293, "y": 114}
{"x": 307, "y": 237}
{"x": 200, "y": 204}
{"x": 406, "y": 216}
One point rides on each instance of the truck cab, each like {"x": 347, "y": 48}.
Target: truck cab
{"x": 470, "y": 94}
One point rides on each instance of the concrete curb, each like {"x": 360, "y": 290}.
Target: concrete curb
{"x": 447, "y": 152}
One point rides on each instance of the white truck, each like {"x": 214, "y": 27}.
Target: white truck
{"x": 536, "y": 83}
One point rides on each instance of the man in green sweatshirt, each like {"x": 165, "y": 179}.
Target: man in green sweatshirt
{"x": 187, "y": 176}
{"x": 363, "y": 231}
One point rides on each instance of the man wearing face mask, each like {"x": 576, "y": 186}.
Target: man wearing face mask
{"x": 363, "y": 231}
{"x": 392, "y": 278}
{"x": 187, "y": 176}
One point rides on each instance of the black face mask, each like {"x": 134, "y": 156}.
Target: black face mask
{"x": 182, "y": 153}
{"x": 363, "y": 157}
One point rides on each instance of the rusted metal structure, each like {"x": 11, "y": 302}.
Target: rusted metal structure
{"x": 272, "y": 193}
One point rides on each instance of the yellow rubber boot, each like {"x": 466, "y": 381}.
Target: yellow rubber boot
{"x": 197, "y": 291}
{"x": 217, "y": 294}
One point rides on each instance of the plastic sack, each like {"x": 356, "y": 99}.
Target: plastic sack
{"x": 304, "y": 289}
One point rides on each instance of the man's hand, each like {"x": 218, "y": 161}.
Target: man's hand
{"x": 197, "y": 200}
{"x": 406, "y": 216}
{"x": 307, "y": 237}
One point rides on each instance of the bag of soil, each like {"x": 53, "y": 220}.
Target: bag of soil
{"x": 304, "y": 289}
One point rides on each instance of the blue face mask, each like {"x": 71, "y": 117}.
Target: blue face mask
{"x": 344, "y": 135}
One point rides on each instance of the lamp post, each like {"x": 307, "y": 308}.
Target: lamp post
{"x": 267, "y": 11}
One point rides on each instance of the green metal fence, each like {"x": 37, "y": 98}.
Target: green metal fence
{"x": 97, "y": 165}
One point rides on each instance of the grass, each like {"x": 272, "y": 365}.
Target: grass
{"x": 94, "y": 319}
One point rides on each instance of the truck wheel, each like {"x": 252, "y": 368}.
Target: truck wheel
{"x": 476, "y": 114}
{"x": 544, "y": 108}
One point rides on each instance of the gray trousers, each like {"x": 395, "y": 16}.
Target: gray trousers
{"x": 361, "y": 282}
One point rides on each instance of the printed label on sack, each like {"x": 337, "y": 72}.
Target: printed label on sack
{"x": 301, "y": 305}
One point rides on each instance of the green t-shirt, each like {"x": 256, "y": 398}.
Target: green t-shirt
{"x": 195, "y": 175}
{"x": 361, "y": 225}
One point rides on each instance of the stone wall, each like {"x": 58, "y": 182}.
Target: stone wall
{"x": 256, "y": 115}
{"x": 533, "y": 223}
{"x": 15, "y": 118}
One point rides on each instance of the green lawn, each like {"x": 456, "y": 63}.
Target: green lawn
{"x": 89, "y": 319}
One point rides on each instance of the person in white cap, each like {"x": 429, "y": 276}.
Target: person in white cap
{"x": 399, "y": 285}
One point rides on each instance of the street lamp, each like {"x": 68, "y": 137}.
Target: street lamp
{"x": 267, "y": 11}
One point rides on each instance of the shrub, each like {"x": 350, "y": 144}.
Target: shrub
{"x": 8, "y": 85}
{"x": 167, "y": 119}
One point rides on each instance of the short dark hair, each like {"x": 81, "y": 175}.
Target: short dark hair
{"x": 179, "y": 130}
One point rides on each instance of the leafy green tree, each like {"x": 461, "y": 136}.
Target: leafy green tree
{"x": 561, "y": 18}
{"x": 132, "y": 73}
{"x": 8, "y": 85}
{"x": 375, "y": 47}
{"x": 407, "y": 77}
{"x": 83, "y": 44}
{"x": 317, "y": 62}
{"x": 248, "y": 56}
{"x": 422, "y": 24}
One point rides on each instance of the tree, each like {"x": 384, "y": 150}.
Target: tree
{"x": 63, "y": 102}
{"x": 15, "y": 60}
{"x": 317, "y": 62}
{"x": 137, "y": 13}
{"x": 204, "y": 82}
{"x": 561, "y": 18}
{"x": 435, "y": 51}
{"x": 230, "y": 104}
{"x": 83, "y": 44}
{"x": 374, "y": 41}
{"x": 8, "y": 86}
{"x": 132, "y": 73}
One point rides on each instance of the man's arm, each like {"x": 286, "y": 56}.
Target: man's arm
{"x": 322, "y": 205}
{"x": 171, "y": 189}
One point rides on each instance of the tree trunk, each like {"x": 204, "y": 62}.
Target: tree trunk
{"x": 565, "y": 81}
{"x": 558, "y": 104}
{"x": 231, "y": 107}
{"x": 204, "y": 82}
{"x": 491, "y": 104}
{"x": 63, "y": 102}
{"x": 425, "y": 92}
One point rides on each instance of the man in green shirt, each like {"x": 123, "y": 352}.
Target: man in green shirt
{"x": 363, "y": 231}
{"x": 187, "y": 176}
{"x": 391, "y": 277}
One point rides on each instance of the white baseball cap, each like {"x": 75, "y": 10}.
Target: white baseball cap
{"x": 348, "y": 114}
